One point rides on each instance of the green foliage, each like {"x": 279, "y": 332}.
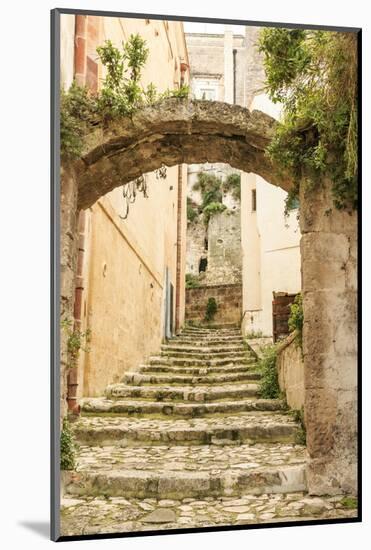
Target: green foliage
{"x": 68, "y": 447}
{"x": 211, "y": 309}
{"x": 211, "y": 209}
{"x": 210, "y": 187}
{"x": 76, "y": 341}
{"x": 314, "y": 75}
{"x": 254, "y": 334}
{"x": 121, "y": 94}
{"x": 78, "y": 107}
{"x": 191, "y": 281}
{"x": 301, "y": 434}
{"x": 232, "y": 185}
{"x": 296, "y": 318}
{"x": 269, "y": 388}
{"x": 191, "y": 211}
{"x": 349, "y": 502}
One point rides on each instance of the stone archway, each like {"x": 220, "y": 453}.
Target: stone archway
{"x": 183, "y": 131}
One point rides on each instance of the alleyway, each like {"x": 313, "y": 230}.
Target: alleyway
{"x": 186, "y": 442}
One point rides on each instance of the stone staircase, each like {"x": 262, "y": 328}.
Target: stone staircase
{"x": 186, "y": 442}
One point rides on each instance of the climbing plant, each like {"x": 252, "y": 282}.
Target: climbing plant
{"x": 232, "y": 185}
{"x": 191, "y": 211}
{"x": 191, "y": 281}
{"x": 68, "y": 447}
{"x": 77, "y": 340}
{"x": 269, "y": 388}
{"x": 211, "y": 309}
{"x": 296, "y": 318}
{"x": 212, "y": 208}
{"x": 313, "y": 74}
{"x": 211, "y": 188}
{"x": 121, "y": 94}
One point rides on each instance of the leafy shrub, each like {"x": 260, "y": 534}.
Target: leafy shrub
{"x": 191, "y": 211}
{"x": 121, "y": 94}
{"x": 68, "y": 447}
{"x": 349, "y": 502}
{"x": 269, "y": 388}
{"x": 211, "y": 309}
{"x": 296, "y": 318}
{"x": 232, "y": 185}
{"x": 191, "y": 281}
{"x": 76, "y": 341}
{"x": 211, "y": 209}
{"x": 301, "y": 434}
{"x": 313, "y": 74}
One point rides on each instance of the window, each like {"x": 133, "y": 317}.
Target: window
{"x": 206, "y": 89}
{"x": 253, "y": 200}
{"x": 202, "y": 265}
{"x": 207, "y": 93}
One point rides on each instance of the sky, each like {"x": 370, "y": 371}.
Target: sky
{"x": 212, "y": 28}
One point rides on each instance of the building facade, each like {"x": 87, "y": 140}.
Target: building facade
{"x": 131, "y": 272}
{"x": 265, "y": 246}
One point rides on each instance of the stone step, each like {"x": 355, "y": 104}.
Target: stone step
{"x": 253, "y": 427}
{"x": 101, "y": 405}
{"x": 104, "y": 514}
{"x": 203, "y": 342}
{"x": 210, "y": 334}
{"x": 180, "y": 472}
{"x": 206, "y": 355}
{"x": 212, "y": 326}
{"x": 184, "y": 361}
{"x": 195, "y": 370}
{"x": 185, "y": 393}
{"x": 214, "y": 350}
{"x": 139, "y": 379}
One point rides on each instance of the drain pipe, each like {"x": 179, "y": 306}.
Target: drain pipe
{"x": 234, "y": 76}
{"x": 80, "y": 51}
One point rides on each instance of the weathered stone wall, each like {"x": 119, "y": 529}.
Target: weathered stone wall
{"x": 290, "y": 367}
{"x": 68, "y": 259}
{"x": 211, "y": 61}
{"x": 228, "y": 299}
{"x": 196, "y": 235}
{"x": 224, "y": 258}
{"x": 329, "y": 271}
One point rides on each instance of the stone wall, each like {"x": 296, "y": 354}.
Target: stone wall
{"x": 224, "y": 257}
{"x": 228, "y": 299}
{"x": 290, "y": 367}
{"x": 329, "y": 271}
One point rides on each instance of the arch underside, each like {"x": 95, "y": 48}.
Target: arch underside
{"x": 175, "y": 132}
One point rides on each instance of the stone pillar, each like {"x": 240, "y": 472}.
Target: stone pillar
{"x": 68, "y": 257}
{"x": 329, "y": 284}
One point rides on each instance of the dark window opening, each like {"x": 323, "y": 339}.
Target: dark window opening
{"x": 206, "y": 244}
{"x": 253, "y": 200}
{"x": 202, "y": 265}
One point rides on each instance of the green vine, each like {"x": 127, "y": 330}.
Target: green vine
{"x": 121, "y": 94}
{"x": 313, "y": 74}
{"x": 68, "y": 447}
{"x": 269, "y": 387}
{"x": 211, "y": 309}
{"x": 211, "y": 188}
{"x": 76, "y": 341}
{"x": 296, "y": 319}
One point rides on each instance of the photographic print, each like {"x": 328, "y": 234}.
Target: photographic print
{"x": 205, "y": 222}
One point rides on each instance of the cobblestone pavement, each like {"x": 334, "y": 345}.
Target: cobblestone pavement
{"x": 83, "y": 516}
{"x": 188, "y": 459}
